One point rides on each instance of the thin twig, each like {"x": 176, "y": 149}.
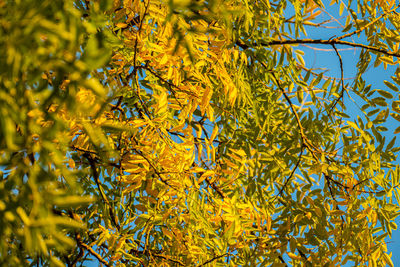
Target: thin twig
{"x": 291, "y": 174}
{"x": 303, "y": 255}
{"x": 327, "y": 50}
{"x": 367, "y": 25}
{"x": 307, "y": 143}
{"x": 136, "y": 42}
{"x": 282, "y": 260}
{"x": 90, "y": 250}
{"x": 168, "y": 83}
{"x": 148, "y": 253}
{"x": 213, "y": 259}
{"x": 318, "y": 25}
{"x": 327, "y": 178}
{"x": 103, "y": 196}
{"x": 341, "y": 80}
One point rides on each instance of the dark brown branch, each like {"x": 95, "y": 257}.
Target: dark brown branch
{"x": 292, "y": 173}
{"x": 136, "y": 42}
{"x": 117, "y": 106}
{"x": 330, "y": 179}
{"x": 103, "y": 196}
{"x": 282, "y": 260}
{"x": 317, "y": 41}
{"x": 198, "y": 139}
{"x": 171, "y": 85}
{"x": 216, "y": 188}
{"x": 317, "y": 25}
{"x": 213, "y": 259}
{"x": 153, "y": 167}
{"x": 95, "y": 156}
{"x": 80, "y": 255}
{"x": 151, "y": 253}
{"x": 305, "y": 142}
{"x": 341, "y": 80}
{"x": 209, "y": 183}
{"x": 303, "y": 255}
{"x": 90, "y": 250}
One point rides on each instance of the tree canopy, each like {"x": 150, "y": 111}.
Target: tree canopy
{"x": 194, "y": 133}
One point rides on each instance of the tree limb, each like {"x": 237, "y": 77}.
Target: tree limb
{"x": 334, "y": 41}
{"x": 90, "y": 250}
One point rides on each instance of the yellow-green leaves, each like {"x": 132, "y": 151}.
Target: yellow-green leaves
{"x": 190, "y": 133}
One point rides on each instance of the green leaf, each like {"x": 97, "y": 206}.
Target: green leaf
{"x": 391, "y": 86}
{"x": 385, "y": 94}
{"x": 71, "y": 201}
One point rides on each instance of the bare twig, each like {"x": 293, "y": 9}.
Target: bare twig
{"x": 303, "y": 255}
{"x": 171, "y": 85}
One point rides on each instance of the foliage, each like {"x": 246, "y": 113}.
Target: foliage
{"x": 192, "y": 133}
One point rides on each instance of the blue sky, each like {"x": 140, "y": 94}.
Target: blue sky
{"x": 325, "y": 57}
{"x": 375, "y": 77}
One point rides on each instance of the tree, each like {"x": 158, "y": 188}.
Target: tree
{"x": 179, "y": 133}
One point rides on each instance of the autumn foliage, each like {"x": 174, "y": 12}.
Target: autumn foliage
{"x": 194, "y": 133}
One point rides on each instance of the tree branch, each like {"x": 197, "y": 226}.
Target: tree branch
{"x": 292, "y": 173}
{"x": 367, "y": 25}
{"x": 149, "y": 253}
{"x": 103, "y": 196}
{"x": 90, "y": 250}
{"x": 335, "y": 41}
{"x": 305, "y": 142}
{"x": 213, "y": 259}
{"x": 341, "y": 80}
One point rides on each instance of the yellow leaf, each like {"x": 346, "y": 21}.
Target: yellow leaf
{"x": 139, "y": 123}
{"x": 293, "y": 256}
{"x": 318, "y": 211}
{"x": 121, "y": 25}
{"x": 337, "y": 212}
{"x": 167, "y": 233}
{"x": 206, "y": 174}
{"x": 214, "y": 133}
{"x": 71, "y": 163}
{"x": 298, "y": 218}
